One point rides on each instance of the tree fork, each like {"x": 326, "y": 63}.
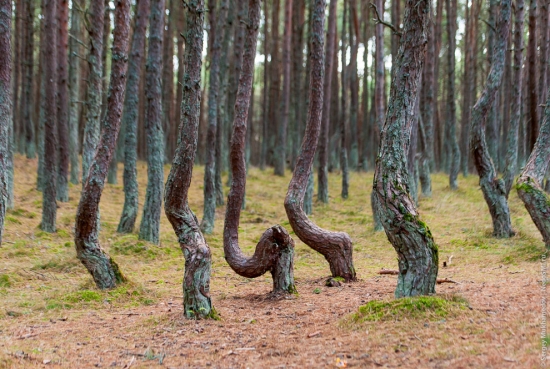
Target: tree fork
{"x": 336, "y": 247}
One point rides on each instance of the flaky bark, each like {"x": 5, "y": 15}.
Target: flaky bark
{"x": 103, "y": 268}
{"x": 5, "y": 105}
{"x": 198, "y": 258}
{"x": 275, "y": 250}
{"x": 492, "y": 187}
{"x": 149, "y": 228}
{"x": 130, "y": 120}
{"x": 411, "y": 238}
{"x": 336, "y": 247}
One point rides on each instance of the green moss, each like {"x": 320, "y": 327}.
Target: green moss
{"x": 5, "y": 280}
{"x": 417, "y": 308}
{"x": 12, "y": 220}
{"x": 83, "y": 296}
{"x": 56, "y": 305}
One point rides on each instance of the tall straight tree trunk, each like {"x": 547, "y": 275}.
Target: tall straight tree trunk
{"x": 532, "y": 79}
{"x": 492, "y": 187}
{"x": 411, "y": 237}
{"x": 274, "y": 85}
{"x": 17, "y": 128}
{"x": 281, "y": 152}
{"x": 298, "y": 20}
{"x": 493, "y": 120}
{"x": 275, "y": 250}
{"x": 180, "y": 21}
{"x": 27, "y": 93}
{"x": 62, "y": 101}
{"x": 102, "y": 267}
{"x": 353, "y": 144}
{"x": 367, "y": 154}
{"x": 207, "y": 224}
{"x": 529, "y": 186}
{"x": 149, "y": 229}
{"x": 41, "y": 108}
{"x": 544, "y": 42}
{"x": 517, "y": 83}
{"x": 49, "y": 204}
{"x": 322, "y": 173}
{"x": 130, "y": 119}
{"x": 6, "y": 117}
{"x": 454, "y": 151}
{"x": 344, "y": 109}
{"x": 197, "y": 302}
{"x": 266, "y": 90}
{"x": 336, "y": 247}
{"x": 74, "y": 89}
{"x": 168, "y": 83}
{"x": 95, "y": 82}
{"x": 436, "y": 120}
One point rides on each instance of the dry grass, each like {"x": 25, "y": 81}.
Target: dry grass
{"x": 51, "y": 312}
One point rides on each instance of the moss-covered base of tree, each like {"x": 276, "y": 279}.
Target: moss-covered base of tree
{"x": 537, "y": 203}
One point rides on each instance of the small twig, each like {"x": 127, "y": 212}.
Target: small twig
{"x": 80, "y": 57}
{"x": 379, "y": 20}
{"x": 445, "y": 280}
{"x": 389, "y": 271}
{"x": 490, "y": 25}
{"x": 79, "y": 41}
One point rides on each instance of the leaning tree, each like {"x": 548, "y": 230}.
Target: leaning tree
{"x": 336, "y": 247}
{"x": 411, "y": 237}
{"x": 103, "y": 269}
{"x": 5, "y": 105}
{"x": 198, "y": 258}
{"x": 493, "y": 188}
{"x": 275, "y": 250}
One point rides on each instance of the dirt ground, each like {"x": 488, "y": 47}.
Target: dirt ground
{"x": 51, "y": 315}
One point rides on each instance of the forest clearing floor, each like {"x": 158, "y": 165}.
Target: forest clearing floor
{"x": 51, "y": 314}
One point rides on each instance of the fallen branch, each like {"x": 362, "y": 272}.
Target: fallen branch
{"x": 396, "y": 272}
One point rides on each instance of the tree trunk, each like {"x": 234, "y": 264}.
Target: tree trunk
{"x": 207, "y": 224}
{"x": 130, "y": 120}
{"x": 198, "y": 258}
{"x": 27, "y": 93}
{"x": 94, "y": 93}
{"x": 41, "y": 110}
{"x": 529, "y": 186}
{"x": 451, "y": 99}
{"x": 532, "y": 81}
{"x": 353, "y": 144}
{"x": 149, "y": 229}
{"x": 49, "y": 204}
{"x": 6, "y": 117}
{"x": 266, "y": 94}
{"x": 74, "y": 90}
{"x": 322, "y": 173}
{"x": 274, "y": 85}
{"x": 411, "y": 238}
{"x": 168, "y": 122}
{"x": 336, "y": 247}
{"x": 366, "y": 126}
{"x": 492, "y": 187}
{"x": 104, "y": 269}
{"x": 297, "y": 101}
{"x": 517, "y": 82}
{"x": 344, "y": 109}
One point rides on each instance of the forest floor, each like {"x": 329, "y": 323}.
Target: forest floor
{"x": 51, "y": 314}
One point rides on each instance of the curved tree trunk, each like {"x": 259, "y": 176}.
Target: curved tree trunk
{"x": 130, "y": 120}
{"x": 492, "y": 187}
{"x": 6, "y": 117}
{"x": 198, "y": 258}
{"x": 74, "y": 90}
{"x": 62, "y": 102}
{"x": 103, "y": 269}
{"x": 336, "y": 247}
{"x": 275, "y": 250}
{"x": 529, "y": 186}
{"x": 411, "y": 238}
{"x": 322, "y": 173}
{"x": 149, "y": 229}
{"x": 517, "y": 82}
{"x": 49, "y": 204}
{"x": 207, "y": 224}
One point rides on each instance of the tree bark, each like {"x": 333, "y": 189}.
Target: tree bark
{"x": 102, "y": 267}
{"x": 336, "y": 247}
{"x": 6, "y": 117}
{"x": 492, "y": 187}
{"x": 266, "y": 94}
{"x": 74, "y": 90}
{"x": 168, "y": 122}
{"x": 198, "y": 258}
{"x": 322, "y": 173}
{"x": 532, "y": 76}
{"x": 411, "y": 238}
{"x": 274, "y": 85}
{"x": 149, "y": 229}
{"x": 343, "y": 108}
{"x": 353, "y": 144}
{"x": 130, "y": 119}
{"x": 27, "y": 93}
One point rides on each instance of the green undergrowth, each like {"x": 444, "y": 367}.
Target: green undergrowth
{"x": 130, "y": 245}
{"x": 410, "y": 308}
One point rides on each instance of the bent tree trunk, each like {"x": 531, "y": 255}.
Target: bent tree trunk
{"x": 336, "y": 247}
{"x": 411, "y": 238}
{"x": 103, "y": 268}
{"x": 150, "y": 222}
{"x": 6, "y": 105}
{"x": 275, "y": 250}
{"x": 198, "y": 258}
{"x": 129, "y": 120}
{"x": 492, "y": 187}
{"x": 529, "y": 186}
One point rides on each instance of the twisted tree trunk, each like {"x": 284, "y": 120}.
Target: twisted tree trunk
{"x": 336, "y": 247}
{"x": 103, "y": 268}
{"x": 198, "y": 258}
{"x": 6, "y": 117}
{"x": 130, "y": 120}
{"x": 411, "y": 238}
{"x": 149, "y": 229}
{"x": 492, "y": 187}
